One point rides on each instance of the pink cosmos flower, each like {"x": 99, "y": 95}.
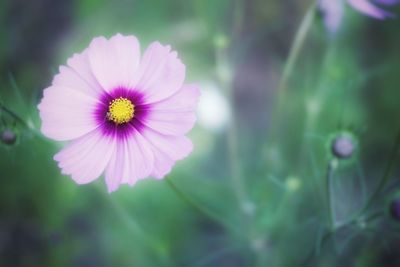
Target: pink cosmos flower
{"x": 122, "y": 115}
{"x": 333, "y": 10}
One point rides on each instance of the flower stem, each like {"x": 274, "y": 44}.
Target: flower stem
{"x": 382, "y": 183}
{"x": 183, "y": 196}
{"x": 386, "y": 175}
{"x": 225, "y": 79}
{"x": 14, "y": 115}
{"x": 18, "y": 119}
{"x": 329, "y": 175}
{"x": 133, "y": 225}
{"x": 294, "y": 53}
{"x": 298, "y": 43}
{"x": 314, "y": 251}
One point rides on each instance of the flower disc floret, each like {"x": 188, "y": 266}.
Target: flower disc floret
{"x": 121, "y": 110}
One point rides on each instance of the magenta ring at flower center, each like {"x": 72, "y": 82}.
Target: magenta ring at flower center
{"x": 109, "y": 127}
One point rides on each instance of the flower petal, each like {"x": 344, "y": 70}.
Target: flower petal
{"x": 114, "y": 62}
{"x": 132, "y": 160}
{"x": 167, "y": 150}
{"x": 141, "y": 158}
{"x": 176, "y": 114}
{"x": 369, "y": 9}
{"x": 332, "y": 13}
{"x": 388, "y": 2}
{"x": 86, "y": 158}
{"x": 81, "y": 71}
{"x": 66, "y": 113}
{"x": 161, "y": 73}
{"x": 117, "y": 167}
{"x": 78, "y": 76}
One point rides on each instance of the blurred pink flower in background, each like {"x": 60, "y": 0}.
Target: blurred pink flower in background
{"x": 333, "y": 10}
{"x": 123, "y": 115}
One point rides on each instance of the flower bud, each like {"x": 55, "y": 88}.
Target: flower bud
{"x": 343, "y": 146}
{"x": 8, "y": 137}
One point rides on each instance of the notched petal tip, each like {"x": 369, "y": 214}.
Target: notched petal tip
{"x": 98, "y": 39}
{"x": 112, "y": 188}
{"x": 114, "y": 61}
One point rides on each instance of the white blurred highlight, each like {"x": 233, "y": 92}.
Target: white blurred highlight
{"x": 213, "y": 109}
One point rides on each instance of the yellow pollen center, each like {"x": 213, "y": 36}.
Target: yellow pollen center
{"x": 120, "y": 110}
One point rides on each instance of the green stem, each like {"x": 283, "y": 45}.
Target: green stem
{"x": 294, "y": 53}
{"x": 324, "y": 239}
{"x": 198, "y": 207}
{"x": 225, "y": 80}
{"x": 14, "y": 85}
{"x": 235, "y": 168}
{"x": 331, "y": 231}
{"x": 386, "y": 175}
{"x": 374, "y": 216}
{"x": 295, "y": 50}
{"x": 14, "y": 115}
{"x": 132, "y": 224}
{"x": 329, "y": 175}
{"x": 18, "y": 119}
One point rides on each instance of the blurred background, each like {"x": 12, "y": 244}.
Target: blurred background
{"x": 296, "y": 146}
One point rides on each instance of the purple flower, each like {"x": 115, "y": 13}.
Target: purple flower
{"x": 124, "y": 115}
{"x": 333, "y": 10}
